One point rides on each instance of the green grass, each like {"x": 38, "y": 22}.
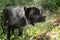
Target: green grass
{"x": 28, "y": 31}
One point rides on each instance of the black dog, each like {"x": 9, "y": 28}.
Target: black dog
{"x": 18, "y": 17}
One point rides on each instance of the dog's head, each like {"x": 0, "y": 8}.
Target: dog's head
{"x": 34, "y": 15}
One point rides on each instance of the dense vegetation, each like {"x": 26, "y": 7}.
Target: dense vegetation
{"x": 51, "y": 9}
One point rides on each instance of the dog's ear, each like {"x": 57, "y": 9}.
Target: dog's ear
{"x": 25, "y": 8}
